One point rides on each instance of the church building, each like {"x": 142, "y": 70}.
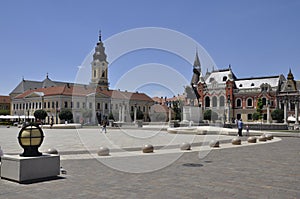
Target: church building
{"x": 88, "y": 103}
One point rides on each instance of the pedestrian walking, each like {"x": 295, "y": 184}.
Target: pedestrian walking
{"x": 240, "y": 127}
{"x": 104, "y": 123}
{"x": 247, "y": 130}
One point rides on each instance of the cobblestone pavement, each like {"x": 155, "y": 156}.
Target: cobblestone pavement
{"x": 258, "y": 171}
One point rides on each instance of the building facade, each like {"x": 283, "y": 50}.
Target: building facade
{"x": 89, "y": 103}
{"x": 233, "y": 98}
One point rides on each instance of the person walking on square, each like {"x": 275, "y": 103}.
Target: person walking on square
{"x": 104, "y": 123}
{"x": 247, "y": 130}
{"x": 240, "y": 127}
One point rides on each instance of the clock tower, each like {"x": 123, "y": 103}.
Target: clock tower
{"x": 99, "y": 64}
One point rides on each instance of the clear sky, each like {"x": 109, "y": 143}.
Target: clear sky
{"x": 257, "y": 37}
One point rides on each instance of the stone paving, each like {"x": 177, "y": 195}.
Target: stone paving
{"x": 268, "y": 170}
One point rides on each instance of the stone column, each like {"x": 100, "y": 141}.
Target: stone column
{"x": 285, "y": 112}
{"x": 120, "y": 113}
{"x": 297, "y": 112}
{"x": 134, "y": 114}
{"x": 123, "y": 113}
{"x": 268, "y": 114}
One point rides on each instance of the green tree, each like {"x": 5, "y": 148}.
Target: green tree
{"x": 66, "y": 114}
{"x": 40, "y": 114}
{"x": 255, "y": 116}
{"x": 139, "y": 115}
{"x": 177, "y": 109}
{"x": 4, "y": 112}
{"x": 278, "y": 115}
{"x": 207, "y": 115}
{"x": 259, "y": 107}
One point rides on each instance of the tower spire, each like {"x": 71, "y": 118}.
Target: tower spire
{"x": 197, "y": 61}
{"x": 100, "y": 39}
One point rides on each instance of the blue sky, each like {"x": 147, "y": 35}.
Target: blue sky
{"x": 257, "y": 37}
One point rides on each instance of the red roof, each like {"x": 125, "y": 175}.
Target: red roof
{"x": 86, "y": 90}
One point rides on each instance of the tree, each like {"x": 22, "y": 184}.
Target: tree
{"x": 177, "y": 109}
{"x": 207, "y": 115}
{"x": 259, "y": 107}
{"x": 66, "y": 114}
{"x": 139, "y": 115}
{"x": 4, "y": 112}
{"x": 278, "y": 115}
{"x": 255, "y": 116}
{"x": 40, "y": 114}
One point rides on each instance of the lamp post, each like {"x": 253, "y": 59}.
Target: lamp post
{"x": 30, "y": 138}
{"x": 228, "y": 114}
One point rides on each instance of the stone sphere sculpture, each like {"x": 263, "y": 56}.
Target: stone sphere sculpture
{"x": 185, "y": 146}
{"x": 262, "y": 138}
{"x": 269, "y": 136}
{"x": 52, "y": 151}
{"x": 148, "y": 148}
{"x": 236, "y": 141}
{"x": 251, "y": 140}
{"x": 214, "y": 143}
{"x": 103, "y": 151}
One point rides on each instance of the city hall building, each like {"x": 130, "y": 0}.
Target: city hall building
{"x": 234, "y": 98}
{"x": 89, "y": 103}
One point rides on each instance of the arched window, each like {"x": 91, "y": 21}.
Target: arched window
{"x": 238, "y": 103}
{"x": 264, "y": 101}
{"x": 207, "y": 102}
{"x": 222, "y": 101}
{"x": 214, "y": 101}
{"x": 249, "y": 102}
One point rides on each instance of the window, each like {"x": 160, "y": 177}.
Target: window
{"x": 249, "y": 102}
{"x": 90, "y": 105}
{"x": 45, "y": 105}
{"x": 53, "y": 105}
{"x": 241, "y": 85}
{"x": 77, "y": 105}
{"x": 252, "y": 84}
{"x": 264, "y": 101}
{"x": 40, "y": 105}
{"x": 249, "y": 117}
{"x": 48, "y": 104}
{"x": 56, "y": 104}
{"x": 144, "y": 109}
{"x": 98, "y": 106}
{"x": 32, "y": 105}
{"x": 14, "y": 106}
{"x": 214, "y": 101}
{"x": 265, "y": 116}
{"x": 106, "y": 106}
{"x": 132, "y": 108}
{"x": 95, "y": 73}
{"x": 238, "y": 116}
{"x": 66, "y": 104}
{"x": 83, "y": 105}
{"x": 116, "y": 106}
{"x": 222, "y": 101}
{"x": 207, "y": 102}
{"x": 103, "y": 73}
{"x": 238, "y": 103}
{"x": 71, "y": 104}
{"x": 224, "y": 79}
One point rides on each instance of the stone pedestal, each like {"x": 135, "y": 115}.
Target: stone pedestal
{"x": 22, "y": 169}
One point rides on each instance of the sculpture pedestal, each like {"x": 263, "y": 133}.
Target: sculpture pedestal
{"x": 22, "y": 169}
